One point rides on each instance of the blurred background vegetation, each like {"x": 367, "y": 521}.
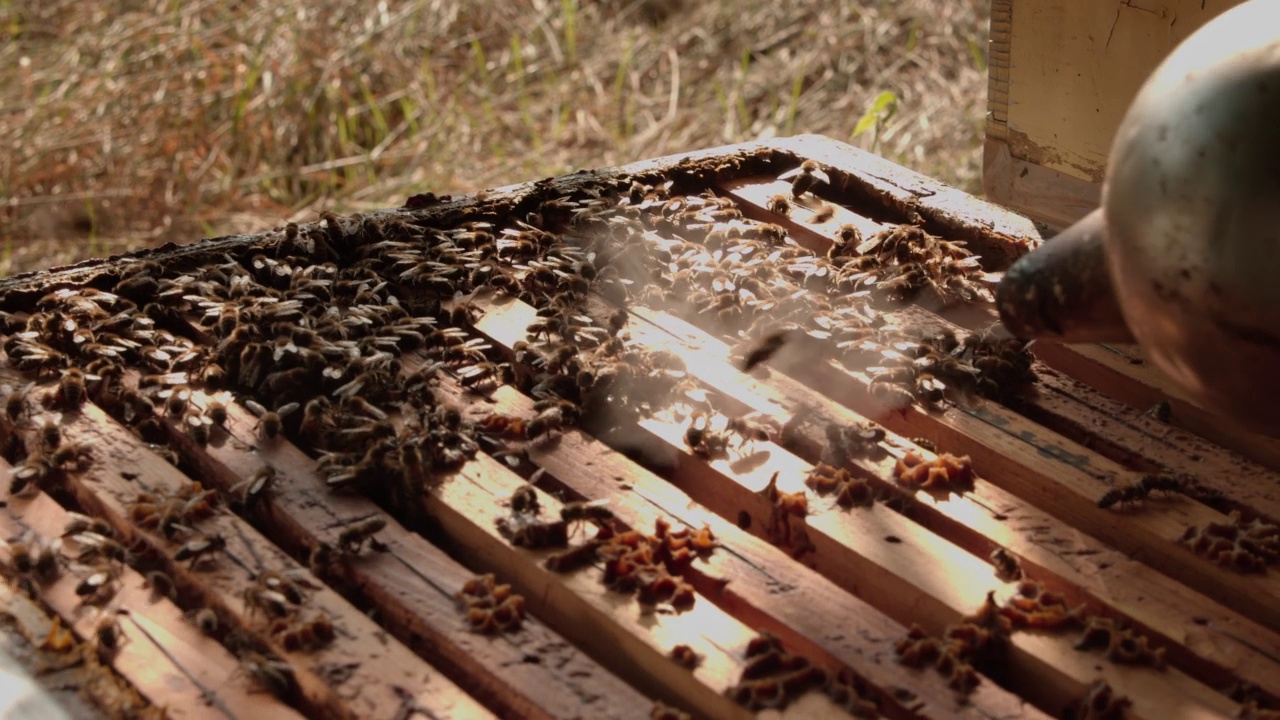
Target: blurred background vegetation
{"x": 134, "y": 122}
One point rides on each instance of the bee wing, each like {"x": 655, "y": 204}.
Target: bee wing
{"x": 287, "y": 409}
{"x": 791, "y": 173}
{"x": 255, "y": 407}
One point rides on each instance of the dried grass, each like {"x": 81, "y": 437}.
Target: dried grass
{"x": 140, "y": 121}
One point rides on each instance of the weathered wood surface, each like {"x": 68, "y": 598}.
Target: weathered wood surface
{"x": 164, "y": 656}
{"x": 916, "y": 558}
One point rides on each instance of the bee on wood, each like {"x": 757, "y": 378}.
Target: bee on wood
{"x": 256, "y": 487}
{"x": 77, "y": 523}
{"x": 1168, "y": 483}
{"x": 525, "y": 500}
{"x": 1007, "y": 567}
{"x": 15, "y": 401}
{"x": 766, "y": 348}
{"x": 594, "y": 511}
{"x": 310, "y": 635}
{"x": 98, "y": 588}
{"x": 71, "y": 389}
{"x": 486, "y": 376}
{"x": 75, "y": 456}
{"x": 30, "y": 474}
{"x": 199, "y": 548}
{"x": 704, "y": 441}
{"x": 50, "y": 435}
{"x": 272, "y": 602}
{"x": 270, "y": 422}
{"x": 1125, "y": 496}
{"x": 779, "y": 205}
{"x": 272, "y": 673}
{"x": 315, "y": 420}
{"x": 353, "y": 537}
{"x": 752, "y": 430}
{"x": 216, "y": 411}
{"x": 109, "y": 637}
{"x": 206, "y": 619}
{"x": 94, "y": 547}
{"x": 1161, "y": 411}
{"x": 824, "y": 214}
{"x": 162, "y": 585}
{"x": 546, "y": 424}
{"x": 197, "y": 427}
{"x": 805, "y": 177}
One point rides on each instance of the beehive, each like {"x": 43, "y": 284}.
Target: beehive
{"x": 720, "y": 434}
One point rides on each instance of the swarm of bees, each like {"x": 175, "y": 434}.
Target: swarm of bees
{"x": 491, "y": 607}
{"x": 944, "y": 472}
{"x": 978, "y": 642}
{"x": 773, "y": 678}
{"x": 1120, "y": 644}
{"x": 1245, "y": 546}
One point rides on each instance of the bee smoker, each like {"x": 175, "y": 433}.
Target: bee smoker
{"x": 1183, "y": 256}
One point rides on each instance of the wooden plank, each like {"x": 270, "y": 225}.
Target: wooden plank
{"x": 766, "y": 590}
{"x": 165, "y": 657}
{"x": 1124, "y": 375}
{"x": 532, "y": 673}
{"x": 364, "y": 673}
{"x": 894, "y": 564}
{"x": 1054, "y": 474}
{"x": 988, "y": 517}
{"x": 615, "y": 628}
{"x": 1252, "y": 485}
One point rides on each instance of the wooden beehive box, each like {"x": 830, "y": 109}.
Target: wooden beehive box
{"x": 1061, "y": 76}
{"x": 314, "y": 444}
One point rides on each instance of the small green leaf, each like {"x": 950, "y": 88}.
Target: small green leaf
{"x": 881, "y": 109}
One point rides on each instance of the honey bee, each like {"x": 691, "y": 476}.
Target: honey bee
{"x": 98, "y": 588}
{"x": 272, "y": 602}
{"x": 1125, "y": 496}
{"x": 751, "y": 430}
{"x": 1007, "y": 568}
{"x": 270, "y": 422}
{"x": 353, "y": 537}
{"x": 206, "y": 619}
{"x": 30, "y": 474}
{"x": 272, "y": 673}
{"x": 525, "y": 500}
{"x": 77, "y": 523}
{"x": 779, "y": 205}
{"x": 594, "y": 511}
{"x": 72, "y": 456}
{"x": 50, "y": 435}
{"x": 805, "y": 177}
{"x": 94, "y": 546}
{"x": 315, "y": 420}
{"x": 110, "y": 637}
{"x": 200, "y": 547}
{"x": 196, "y": 426}
{"x": 310, "y": 635}
{"x": 161, "y": 584}
{"x": 1161, "y": 411}
{"x": 15, "y": 401}
{"x": 216, "y": 410}
{"x": 823, "y": 214}
{"x": 766, "y": 348}
{"x": 256, "y": 487}
{"x": 546, "y": 424}
{"x": 704, "y": 441}
{"x": 71, "y": 389}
